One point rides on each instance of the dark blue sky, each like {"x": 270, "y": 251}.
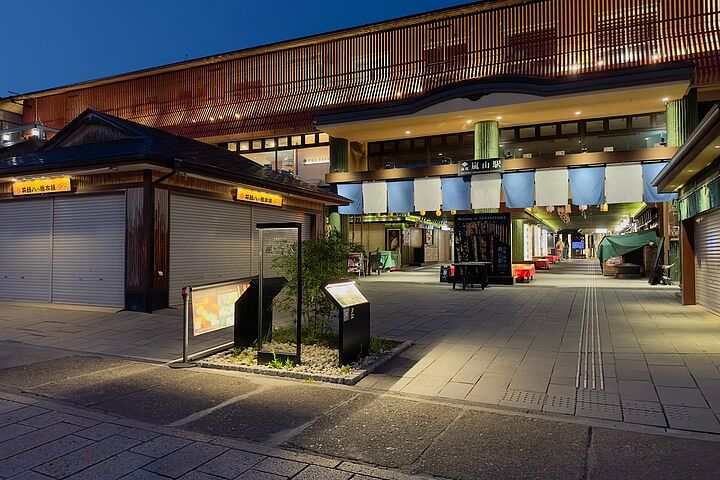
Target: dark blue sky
{"x": 53, "y": 43}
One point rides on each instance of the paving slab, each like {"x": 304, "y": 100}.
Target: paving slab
{"x": 272, "y": 412}
{"x": 615, "y": 454}
{"x": 175, "y": 394}
{"x": 39, "y": 373}
{"x": 384, "y": 431}
{"x": 484, "y": 445}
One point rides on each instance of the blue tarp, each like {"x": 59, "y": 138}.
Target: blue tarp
{"x": 456, "y": 193}
{"x": 400, "y": 196}
{"x": 351, "y": 191}
{"x": 650, "y": 193}
{"x": 519, "y": 189}
{"x": 587, "y": 185}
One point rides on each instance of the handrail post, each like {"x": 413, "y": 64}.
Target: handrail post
{"x": 186, "y": 331}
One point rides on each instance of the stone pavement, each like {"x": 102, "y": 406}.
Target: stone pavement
{"x": 102, "y": 418}
{"x": 47, "y": 440}
{"x": 520, "y": 347}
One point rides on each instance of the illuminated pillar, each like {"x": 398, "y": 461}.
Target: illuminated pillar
{"x": 682, "y": 118}
{"x": 487, "y": 140}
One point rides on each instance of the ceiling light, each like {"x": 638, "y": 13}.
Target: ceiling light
{"x": 407, "y": 132}
{"x": 499, "y": 117}
{"x": 665, "y": 99}
{"x": 578, "y": 112}
{"x": 468, "y": 121}
{"x": 717, "y": 146}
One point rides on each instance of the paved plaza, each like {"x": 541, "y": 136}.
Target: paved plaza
{"x": 518, "y": 347}
{"x": 488, "y": 391}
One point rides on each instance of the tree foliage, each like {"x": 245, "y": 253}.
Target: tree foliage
{"x": 323, "y": 259}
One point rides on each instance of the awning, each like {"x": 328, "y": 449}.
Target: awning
{"x": 587, "y": 185}
{"x": 485, "y": 190}
{"x": 374, "y": 197}
{"x": 617, "y": 245}
{"x": 428, "y": 194}
{"x": 650, "y": 192}
{"x": 624, "y": 183}
{"x": 519, "y": 189}
{"x": 353, "y": 192}
{"x": 456, "y": 193}
{"x": 400, "y": 196}
{"x": 551, "y": 187}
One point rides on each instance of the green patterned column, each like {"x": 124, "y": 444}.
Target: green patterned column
{"x": 518, "y": 241}
{"x": 682, "y": 118}
{"x": 487, "y": 140}
{"x": 338, "y": 154}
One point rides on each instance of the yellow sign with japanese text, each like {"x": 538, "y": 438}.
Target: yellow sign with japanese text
{"x": 43, "y": 185}
{"x": 255, "y": 196}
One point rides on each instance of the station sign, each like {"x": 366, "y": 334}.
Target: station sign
{"x": 41, "y": 186}
{"x": 488, "y": 165}
{"x": 256, "y": 196}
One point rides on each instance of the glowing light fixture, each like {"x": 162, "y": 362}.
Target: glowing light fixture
{"x": 499, "y": 117}
{"x": 604, "y": 207}
{"x": 422, "y": 213}
{"x": 453, "y": 212}
{"x": 407, "y": 132}
{"x": 665, "y": 99}
{"x": 438, "y": 213}
{"x": 578, "y": 112}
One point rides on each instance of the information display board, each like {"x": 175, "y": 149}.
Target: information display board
{"x": 485, "y": 237}
{"x": 213, "y": 308}
{"x": 345, "y": 294}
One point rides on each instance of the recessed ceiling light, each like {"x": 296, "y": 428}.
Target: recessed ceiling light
{"x": 499, "y": 117}
{"x": 578, "y": 112}
{"x": 717, "y": 146}
{"x": 468, "y": 121}
{"x": 691, "y": 170}
{"x": 407, "y": 132}
{"x": 665, "y": 99}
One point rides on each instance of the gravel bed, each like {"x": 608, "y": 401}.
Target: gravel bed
{"x": 318, "y": 362}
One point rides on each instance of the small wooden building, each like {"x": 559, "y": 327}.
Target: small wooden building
{"x": 113, "y": 213}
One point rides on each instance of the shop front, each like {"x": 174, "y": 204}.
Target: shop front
{"x": 112, "y": 213}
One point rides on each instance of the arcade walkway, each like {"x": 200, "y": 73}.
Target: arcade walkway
{"x": 570, "y": 343}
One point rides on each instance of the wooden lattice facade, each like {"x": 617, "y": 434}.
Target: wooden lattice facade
{"x": 280, "y": 87}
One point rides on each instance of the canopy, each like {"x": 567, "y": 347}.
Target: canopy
{"x": 617, "y": 245}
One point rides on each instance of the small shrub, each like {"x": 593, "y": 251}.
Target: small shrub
{"x": 275, "y": 362}
{"x": 345, "y": 369}
{"x": 379, "y": 345}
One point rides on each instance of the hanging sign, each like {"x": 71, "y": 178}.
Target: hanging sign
{"x": 255, "y": 196}
{"x": 40, "y": 186}
{"x": 489, "y": 165}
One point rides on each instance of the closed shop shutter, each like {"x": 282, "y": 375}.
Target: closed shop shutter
{"x": 277, "y": 215}
{"x": 707, "y": 261}
{"x": 88, "y": 250}
{"x": 25, "y": 261}
{"x": 210, "y": 241}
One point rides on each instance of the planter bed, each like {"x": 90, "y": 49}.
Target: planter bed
{"x": 319, "y": 362}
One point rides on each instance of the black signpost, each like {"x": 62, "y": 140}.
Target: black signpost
{"x": 354, "y": 320}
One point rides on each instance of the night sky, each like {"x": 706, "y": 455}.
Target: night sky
{"x": 52, "y": 43}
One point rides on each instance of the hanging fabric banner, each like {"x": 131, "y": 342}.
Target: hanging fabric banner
{"x": 551, "y": 187}
{"x": 428, "y": 194}
{"x": 374, "y": 197}
{"x": 519, "y": 189}
{"x": 353, "y": 192}
{"x": 623, "y": 183}
{"x": 456, "y": 193}
{"x": 587, "y": 185}
{"x": 650, "y": 192}
{"x": 485, "y": 191}
{"x": 400, "y": 196}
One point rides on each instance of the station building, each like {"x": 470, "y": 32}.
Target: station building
{"x": 561, "y": 120}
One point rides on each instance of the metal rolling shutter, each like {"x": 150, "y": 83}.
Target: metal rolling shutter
{"x": 25, "y": 266}
{"x": 276, "y": 215}
{"x": 210, "y": 241}
{"x": 88, "y": 265}
{"x": 707, "y": 261}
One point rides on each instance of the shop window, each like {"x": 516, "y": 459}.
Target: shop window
{"x": 617, "y": 123}
{"x": 310, "y": 139}
{"x": 244, "y": 146}
{"x": 643, "y": 121}
{"x": 548, "y": 130}
{"x": 286, "y": 161}
{"x": 323, "y": 138}
{"x": 468, "y": 138}
{"x": 232, "y": 146}
{"x": 404, "y": 146}
{"x": 436, "y": 141}
{"x": 283, "y": 142}
{"x": 660, "y": 120}
{"x": 269, "y": 143}
{"x": 296, "y": 140}
{"x": 527, "y": 132}
{"x": 257, "y": 144}
{"x": 419, "y": 144}
{"x": 388, "y": 147}
{"x": 507, "y": 134}
{"x": 374, "y": 148}
{"x": 594, "y": 126}
{"x": 452, "y": 139}
{"x": 569, "y": 128}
